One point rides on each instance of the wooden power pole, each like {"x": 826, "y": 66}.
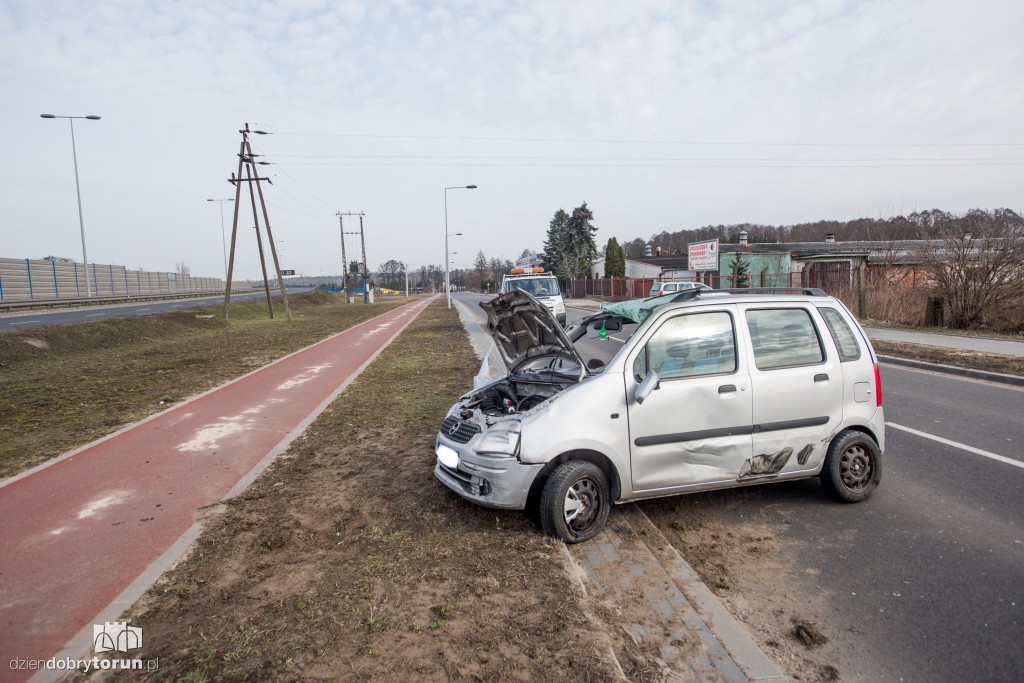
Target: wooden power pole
{"x": 247, "y": 159}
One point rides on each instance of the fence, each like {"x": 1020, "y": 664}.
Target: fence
{"x": 32, "y": 280}
{"x": 619, "y": 288}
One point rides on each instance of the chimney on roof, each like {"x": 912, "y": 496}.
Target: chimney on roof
{"x": 658, "y": 251}
{"x": 743, "y": 236}
{"x": 830, "y": 238}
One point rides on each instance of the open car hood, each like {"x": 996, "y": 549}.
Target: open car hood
{"x": 524, "y": 330}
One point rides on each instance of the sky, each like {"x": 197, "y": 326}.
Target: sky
{"x": 660, "y": 114}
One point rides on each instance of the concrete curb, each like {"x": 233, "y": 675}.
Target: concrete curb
{"x": 1000, "y": 378}
{"x": 747, "y": 655}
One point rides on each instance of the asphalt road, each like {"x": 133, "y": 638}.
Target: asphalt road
{"x": 84, "y": 314}
{"x": 925, "y": 581}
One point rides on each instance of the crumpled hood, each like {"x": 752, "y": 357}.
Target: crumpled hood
{"x": 524, "y": 330}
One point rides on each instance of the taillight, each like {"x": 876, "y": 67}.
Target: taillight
{"x": 878, "y": 387}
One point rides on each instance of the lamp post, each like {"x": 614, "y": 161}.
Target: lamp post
{"x": 78, "y": 191}
{"x": 223, "y": 239}
{"x": 447, "y": 282}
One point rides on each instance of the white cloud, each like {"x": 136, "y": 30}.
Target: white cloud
{"x": 175, "y": 81}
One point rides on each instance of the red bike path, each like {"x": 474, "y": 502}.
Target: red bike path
{"x": 77, "y": 532}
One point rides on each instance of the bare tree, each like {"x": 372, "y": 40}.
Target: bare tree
{"x": 977, "y": 268}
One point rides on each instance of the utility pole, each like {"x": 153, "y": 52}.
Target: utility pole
{"x": 362, "y": 238}
{"x": 247, "y": 159}
{"x": 344, "y": 257}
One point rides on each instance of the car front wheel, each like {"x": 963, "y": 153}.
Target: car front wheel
{"x": 853, "y": 467}
{"x": 575, "y": 503}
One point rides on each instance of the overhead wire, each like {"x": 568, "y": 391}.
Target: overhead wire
{"x": 651, "y": 142}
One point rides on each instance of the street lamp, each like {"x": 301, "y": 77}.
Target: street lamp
{"x": 447, "y": 282}
{"x": 223, "y": 239}
{"x": 78, "y": 191}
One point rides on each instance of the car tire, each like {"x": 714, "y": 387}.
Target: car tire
{"x": 853, "y": 467}
{"x": 575, "y": 503}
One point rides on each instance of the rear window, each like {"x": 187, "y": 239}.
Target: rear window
{"x": 783, "y": 338}
{"x": 845, "y": 339}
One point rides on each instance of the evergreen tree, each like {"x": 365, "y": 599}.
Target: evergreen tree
{"x": 570, "y": 248}
{"x": 614, "y": 259}
{"x": 740, "y": 278}
{"x": 556, "y": 238}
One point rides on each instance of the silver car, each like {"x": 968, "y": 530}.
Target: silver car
{"x": 708, "y": 391}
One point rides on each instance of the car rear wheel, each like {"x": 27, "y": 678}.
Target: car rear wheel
{"x": 853, "y": 467}
{"x": 575, "y": 503}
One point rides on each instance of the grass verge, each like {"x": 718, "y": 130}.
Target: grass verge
{"x": 65, "y": 385}
{"x": 346, "y": 560}
{"x": 974, "y": 360}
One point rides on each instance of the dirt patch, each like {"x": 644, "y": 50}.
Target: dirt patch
{"x": 66, "y": 385}
{"x": 346, "y": 560}
{"x": 744, "y": 562}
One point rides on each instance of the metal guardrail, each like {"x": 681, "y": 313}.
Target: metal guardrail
{"x": 136, "y": 298}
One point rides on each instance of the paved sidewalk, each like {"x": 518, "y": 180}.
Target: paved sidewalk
{"x": 83, "y": 536}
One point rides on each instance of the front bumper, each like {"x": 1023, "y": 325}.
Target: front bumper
{"x": 495, "y": 482}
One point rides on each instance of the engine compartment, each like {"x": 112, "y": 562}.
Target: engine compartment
{"x": 506, "y": 397}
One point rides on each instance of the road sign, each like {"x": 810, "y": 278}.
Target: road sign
{"x": 703, "y": 256}
{"x": 287, "y": 272}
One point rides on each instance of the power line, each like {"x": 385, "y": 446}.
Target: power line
{"x": 652, "y": 142}
{"x": 634, "y": 158}
{"x": 652, "y": 165}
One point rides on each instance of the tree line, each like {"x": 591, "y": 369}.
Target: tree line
{"x": 929, "y": 224}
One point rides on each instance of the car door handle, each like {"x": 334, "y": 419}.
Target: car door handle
{"x": 821, "y": 377}
{"x": 727, "y": 389}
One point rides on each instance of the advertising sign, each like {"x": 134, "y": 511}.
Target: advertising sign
{"x": 703, "y": 256}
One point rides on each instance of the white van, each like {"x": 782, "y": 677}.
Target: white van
{"x": 540, "y": 285}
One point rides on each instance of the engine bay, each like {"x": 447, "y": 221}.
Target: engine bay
{"x": 507, "y": 397}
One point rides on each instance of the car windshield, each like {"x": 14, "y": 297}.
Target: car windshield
{"x": 638, "y": 310}
{"x": 537, "y": 286}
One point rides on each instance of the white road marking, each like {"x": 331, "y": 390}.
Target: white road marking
{"x": 209, "y": 437}
{"x": 106, "y": 501}
{"x": 24, "y": 322}
{"x": 969, "y": 449}
{"x": 93, "y": 315}
{"x": 309, "y": 374}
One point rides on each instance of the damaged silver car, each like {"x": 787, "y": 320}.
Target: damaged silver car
{"x": 692, "y": 392}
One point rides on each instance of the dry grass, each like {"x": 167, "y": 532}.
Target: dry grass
{"x": 973, "y": 360}
{"x": 66, "y": 385}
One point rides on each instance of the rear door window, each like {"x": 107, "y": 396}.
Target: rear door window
{"x": 783, "y": 338}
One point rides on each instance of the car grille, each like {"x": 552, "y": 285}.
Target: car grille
{"x": 458, "y": 431}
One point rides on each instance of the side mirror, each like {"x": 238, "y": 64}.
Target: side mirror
{"x": 644, "y": 389}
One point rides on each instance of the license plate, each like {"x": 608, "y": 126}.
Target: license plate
{"x": 447, "y": 455}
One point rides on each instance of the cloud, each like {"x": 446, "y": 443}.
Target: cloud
{"x": 175, "y": 81}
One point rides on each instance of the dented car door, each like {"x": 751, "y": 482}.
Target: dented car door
{"x": 695, "y": 427}
{"x": 795, "y": 383}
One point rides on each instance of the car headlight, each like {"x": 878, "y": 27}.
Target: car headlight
{"x": 560, "y": 308}
{"x": 501, "y": 439}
